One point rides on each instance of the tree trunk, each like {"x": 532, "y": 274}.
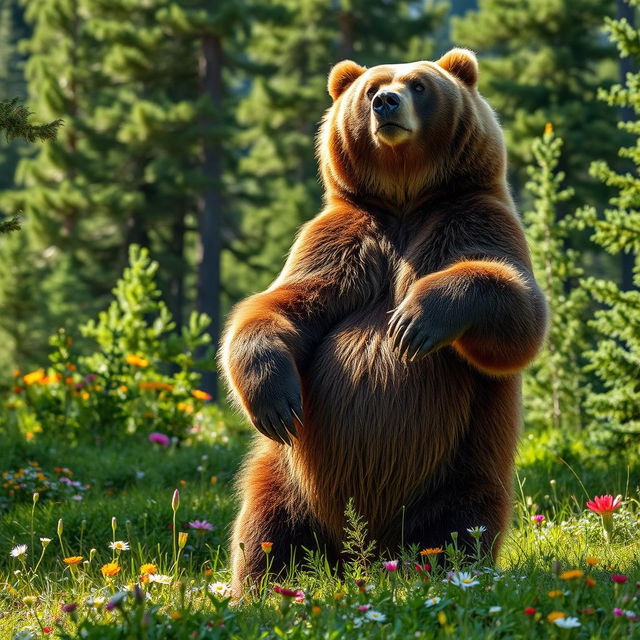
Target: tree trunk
{"x": 626, "y": 114}
{"x": 210, "y": 203}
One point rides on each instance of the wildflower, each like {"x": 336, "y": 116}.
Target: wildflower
{"x": 617, "y": 611}
{"x": 285, "y": 593}
{"x": 155, "y": 386}
{"x": 201, "y": 526}
{"x": 555, "y": 615}
{"x": 316, "y": 610}
{"x": 476, "y": 532}
{"x": 219, "y": 589}
{"x": 391, "y": 565}
{"x": 119, "y": 545}
{"x": 148, "y": 568}
{"x": 431, "y": 602}
{"x": 357, "y": 622}
{"x": 495, "y": 609}
{"x": 160, "y": 578}
{"x": 422, "y": 567}
{"x": 71, "y": 560}
{"x": 70, "y": 607}
{"x": 375, "y": 616}
{"x": 567, "y": 623}
{"x": 19, "y": 550}
{"x": 590, "y": 582}
{"x": 159, "y": 438}
{"x": 464, "y": 580}
{"x": 555, "y": 594}
{"x": 431, "y": 551}
{"x": 604, "y": 505}
{"x": 34, "y": 377}
{"x": 175, "y": 615}
{"x": 572, "y": 574}
{"x": 47, "y": 629}
{"x": 538, "y": 518}
{"x": 182, "y": 539}
{"x": 116, "y": 601}
{"x": 591, "y": 561}
{"x": 29, "y": 601}
{"x": 110, "y": 569}
{"x": 200, "y": 395}
{"x": 175, "y": 500}
{"x": 529, "y": 611}
{"x": 136, "y": 361}
{"x": 618, "y": 578}
{"x": 266, "y": 546}
{"x": 364, "y": 607}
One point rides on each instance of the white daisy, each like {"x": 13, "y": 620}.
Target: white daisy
{"x": 567, "y": 623}
{"x": 19, "y": 550}
{"x": 159, "y": 578}
{"x": 464, "y": 580}
{"x": 119, "y": 545}
{"x": 218, "y": 589}
{"x": 431, "y": 602}
{"x": 476, "y": 532}
{"x": 375, "y": 616}
{"x": 357, "y": 622}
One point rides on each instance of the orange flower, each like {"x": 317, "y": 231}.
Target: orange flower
{"x": 431, "y": 551}
{"x": 71, "y": 366}
{"x": 266, "y": 546}
{"x": 572, "y": 574}
{"x": 148, "y": 568}
{"x": 156, "y": 386}
{"x": 34, "y": 377}
{"x": 555, "y": 615}
{"x": 200, "y": 395}
{"x": 56, "y": 377}
{"x": 591, "y": 561}
{"x": 136, "y": 361}
{"x": 73, "y": 560}
{"x": 555, "y": 594}
{"x": 110, "y": 569}
{"x": 590, "y": 582}
{"x": 185, "y": 407}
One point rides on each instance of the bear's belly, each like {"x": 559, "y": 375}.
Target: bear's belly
{"x": 377, "y": 428}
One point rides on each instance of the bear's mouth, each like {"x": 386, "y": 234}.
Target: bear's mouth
{"x": 386, "y": 125}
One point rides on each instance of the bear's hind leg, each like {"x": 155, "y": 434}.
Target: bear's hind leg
{"x": 270, "y": 512}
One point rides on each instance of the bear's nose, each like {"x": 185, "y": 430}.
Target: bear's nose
{"x": 385, "y": 102}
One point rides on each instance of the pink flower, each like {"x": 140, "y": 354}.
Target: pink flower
{"x": 201, "y": 526}
{"x": 288, "y": 593}
{"x": 604, "y": 505}
{"x": 617, "y": 611}
{"x": 159, "y": 438}
{"x": 538, "y": 518}
{"x": 364, "y": 607}
{"x": 423, "y": 567}
{"x": 391, "y": 565}
{"x": 618, "y": 578}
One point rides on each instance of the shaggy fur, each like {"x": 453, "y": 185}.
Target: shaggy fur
{"x": 382, "y": 364}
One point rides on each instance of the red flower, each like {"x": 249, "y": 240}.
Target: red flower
{"x": 423, "y": 567}
{"x": 47, "y": 629}
{"x": 287, "y": 593}
{"x": 604, "y": 505}
{"x": 529, "y": 611}
{"x": 618, "y": 578}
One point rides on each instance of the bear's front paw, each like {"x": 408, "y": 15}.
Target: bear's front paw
{"x": 417, "y": 331}
{"x": 273, "y": 398}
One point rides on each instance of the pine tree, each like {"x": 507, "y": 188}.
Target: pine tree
{"x": 555, "y": 385}
{"x": 616, "y": 357}
{"x": 544, "y": 61}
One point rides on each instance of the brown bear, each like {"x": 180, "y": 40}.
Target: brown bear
{"x": 382, "y": 364}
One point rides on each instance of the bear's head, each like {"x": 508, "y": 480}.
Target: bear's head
{"x": 398, "y": 131}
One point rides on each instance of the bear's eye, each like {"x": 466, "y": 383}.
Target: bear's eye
{"x": 417, "y": 86}
{"x": 371, "y": 92}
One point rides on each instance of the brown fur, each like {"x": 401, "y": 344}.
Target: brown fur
{"x": 391, "y": 341}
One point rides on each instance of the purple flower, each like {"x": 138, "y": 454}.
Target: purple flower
{"x": 538, "y": 518}
{"x": 159, "y": 438}
{"x": 201, "y": 526}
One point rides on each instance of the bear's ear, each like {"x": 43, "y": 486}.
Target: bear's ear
{"x": 342, "y": 75}
{"x": 462, "y": 64}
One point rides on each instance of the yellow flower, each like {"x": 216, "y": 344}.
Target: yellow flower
{"x": 73, "y": 560}
{"x": 136, "y": 361}
{"x": 548, "y": 129}
{"x": 591, "y": 561}
{"x": 266, "y": 546}
{"x": 110, "y": 569}
{"x": 555, "y": 615}
{"x": 338, "y": 595}
{"x": 572, "y": 574}
{"x": 182, "y": 539}
{"x": 123, "y": 388}
{"x": 85, "y": 395}
{"x": 200, "y": 395}
{"x": 555, "y": 594}
{"x": 175, "y": 615}
{"x": 30, "y": 601}
{"x": 185, "y": 407}
{"x": 34, "y": 377}
{"x": 148, "y": 568}
{"x": 431, "y": 551}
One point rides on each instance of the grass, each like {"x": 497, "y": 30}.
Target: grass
{"x": 133, "y": 482}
